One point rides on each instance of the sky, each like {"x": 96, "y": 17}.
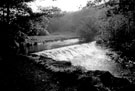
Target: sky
{"x": 64, "y": 5}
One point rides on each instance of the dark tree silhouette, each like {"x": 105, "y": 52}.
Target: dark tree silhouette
{"x": 9, "y": 12}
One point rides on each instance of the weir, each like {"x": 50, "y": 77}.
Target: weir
{"x": 52, "y": 44}
{"x": 88, "y": 55}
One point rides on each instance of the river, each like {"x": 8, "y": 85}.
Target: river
{"x": 88, "y": 55}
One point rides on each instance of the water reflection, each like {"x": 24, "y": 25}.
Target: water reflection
{"x": 51, "y": 45}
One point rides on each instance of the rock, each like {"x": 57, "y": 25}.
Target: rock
{"x": 128, "y": 88}
{"x": 86, "y": 85}
{"x": 110, "y": 81}
{"x": 62, "y": 64}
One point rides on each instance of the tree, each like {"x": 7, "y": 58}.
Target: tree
{"x": 124, "y": 5}
{"x": 39, "y": 20}
{"x": 38, "y": 26}
{"x": 9, "y": 8}
{"x": 95, "y": 2}
{"x": 50, "y": 11}
{"x": 17, "y": 20}
{"x": 9, "y": 12}
{"x": 117, "y": 29}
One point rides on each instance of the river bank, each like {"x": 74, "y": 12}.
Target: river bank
{"x": 42, "y": 74}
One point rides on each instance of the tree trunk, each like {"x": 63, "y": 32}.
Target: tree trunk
{"x": 3, "y": 14}
{"x": 8, "y": 13}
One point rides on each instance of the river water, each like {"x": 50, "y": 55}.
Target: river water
{"x": 52, "y": 44}
{"x": 88, "y": 55}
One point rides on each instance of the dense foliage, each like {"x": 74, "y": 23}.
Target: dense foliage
{"x": 10, "y": 11}
{"x": 18, "y": 21}
{"x": 117, "y": 31}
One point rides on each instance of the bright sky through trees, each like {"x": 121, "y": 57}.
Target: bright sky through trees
{"x": 64, "y": 5}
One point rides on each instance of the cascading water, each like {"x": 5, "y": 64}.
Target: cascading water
{"x": 87, "y": 55}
